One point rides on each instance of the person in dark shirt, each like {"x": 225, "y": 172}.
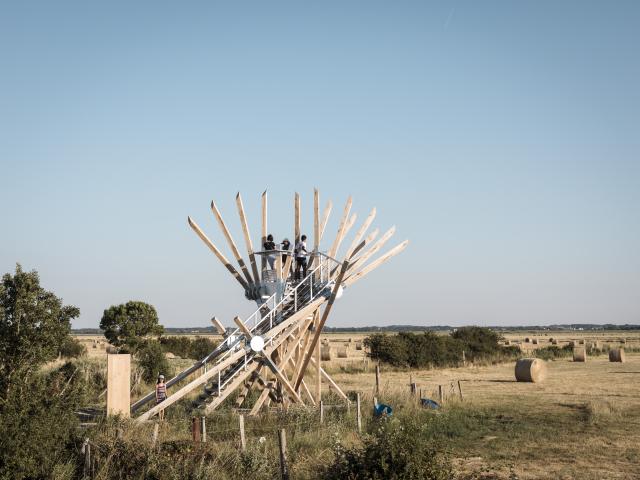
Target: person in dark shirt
{"x": 270, "y": 245}
{"x": 286, "y": 245}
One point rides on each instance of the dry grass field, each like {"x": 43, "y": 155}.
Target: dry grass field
{"x": 583, "y": 422}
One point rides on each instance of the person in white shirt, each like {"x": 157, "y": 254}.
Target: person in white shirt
{"x": 301, "y": 257}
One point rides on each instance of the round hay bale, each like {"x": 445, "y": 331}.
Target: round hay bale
{"x": 358, "y": 345}
{"x": 111, "y": 349}
{"x": 617, "y": 355}
{"x": 580, "y": 354}
{"x": 169, "y": 355}
{"x": 325, "y": 354}
{"x": 596, "y": 344}
{"x": 535, "y": 341}
{"x": 507, "y": 342}
{"x": 551, "y": 340}
{"x": 554, "y": 342}
{"x": 581, "y": 342}
{"x": 573, "y": 344}
{"x": 527, "y": 340}
{"x": 531, "y": 370}
{"x": 342, "y": 352}
{"x": 623, "y": 340}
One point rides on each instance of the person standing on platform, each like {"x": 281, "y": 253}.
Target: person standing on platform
{"x": 268, "y": 246}
{"x": 301, "y": 257}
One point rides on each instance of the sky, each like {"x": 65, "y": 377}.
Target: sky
{"x": 501, "y": 138}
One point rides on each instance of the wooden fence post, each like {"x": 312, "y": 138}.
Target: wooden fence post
{"x": 440, "y": 394}
{"x": 195, "y": 429}
{"x": 460, "y": 390}
{"x": 377, "y": 378}
{"x": 203, "y": 429}
{"x": 321, "y": 412}
{"x": 243, "y": 439}
{"x": 464, "y": 359}
{"x": 282, "y": 443}
{"x": 358, "y": 412}
{"x": 154, "y": 436}
{"x": 86, "y": 449}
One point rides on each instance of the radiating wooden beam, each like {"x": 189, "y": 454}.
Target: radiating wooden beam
{"x": 264, "y": 229}
{"x": 218, "y": 325}
{"x": 325, "y": 315}
{"x": 243, "y": 328}
{"x": 330, "y": 380}
{"x": 373, "y": 265}
{"x": 296, "y": 217}
{"x": 316, "y": 219}
{"x": 369, "y": 238}
{"x": 217, "y": 253}
{"x": 325, "y": 219}
{"x": 343, "y": 224}
{"x": 247, "y": 238}
{"x": 318, "y": 360}
{"x": 360, "y": 233}
{"x": 358, "y": 262}
{"x": 232, "y": 244}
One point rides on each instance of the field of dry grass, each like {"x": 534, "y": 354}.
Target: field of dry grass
{"x": 582, "y": 422}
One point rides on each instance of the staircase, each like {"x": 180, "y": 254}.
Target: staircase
{"x": 296, "y": 296}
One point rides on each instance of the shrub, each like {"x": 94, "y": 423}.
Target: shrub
{"x": 184, "y": 347}
{"x": 395, "y": 450}
{"x": 152, "y": 361}
{"x": 72, "y": 348}
{"x": 478, "y": 341}
{"x": 201, "y": 347}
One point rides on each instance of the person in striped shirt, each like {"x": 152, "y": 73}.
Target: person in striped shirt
{"x": 161, "y": 394}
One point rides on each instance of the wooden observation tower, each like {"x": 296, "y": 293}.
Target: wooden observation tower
{"x": 279, "y": 343}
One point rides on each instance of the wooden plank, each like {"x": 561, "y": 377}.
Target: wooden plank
{"x": 369, "y": 268}
{"x": 369, "y": 238}
{"x": 217, "y": 253}
{"x": 316, "y": 219}
{"x": 318, "y": 362}
{"x": 231, "y": 242}
{"x": 325, "y": 219}
{"x": 360, "y": 233}
{"x": 296, "y": 217}
{"x": 325, "y": 315}
{"x": 243, "y": 328}
{"x": 247, "y": 238}
{"x": 264, "y": 229}
{"x": 373, "y": 250}
{"x": 343, "y": 223}
{"x": 253, "y": 366}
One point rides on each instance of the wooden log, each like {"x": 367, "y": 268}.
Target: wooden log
{"x": 341, "y": 229}
{"x": 203, "y": 429}
{"x": 296, "y": 217}
{"x": 231, "y": 242}
{"x": 321, "y": 412}
{"x": 617, "y": 355}
{"x": 247, "y": 238}
{"x": 360, "y": 233}
{"x": 530, "y": 370}
{"x": 282, "y": 444}
{"x": 377, "y": 378}
{"x": 358, "y": 413}
{"x": 264, "y": 229}
{"x": 194, "y": 226}
{"x": 243, "y": 440}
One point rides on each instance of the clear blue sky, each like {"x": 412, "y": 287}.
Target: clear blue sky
{"x": 502, "y": 138}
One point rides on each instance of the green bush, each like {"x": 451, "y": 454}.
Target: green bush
{"x": 395, "y": 450}
{"x": 552, "y": 352}
{"x": 72, "y": 348}
{"x": 151, "y": 359}
{"x": 184, "y": 347}
{"x": 428, "y": 349}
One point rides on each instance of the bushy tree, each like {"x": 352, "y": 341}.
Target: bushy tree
{"x": 151, "y": 359}
{"x": 128, "y": 323}
{"x": 33, "y": 325}
{"x": 477, "y": 340}
{"x": 72, "y": 348}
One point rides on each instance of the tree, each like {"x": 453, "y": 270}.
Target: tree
{"x": 128, "y": 323}
{"x": 33, "y": 325}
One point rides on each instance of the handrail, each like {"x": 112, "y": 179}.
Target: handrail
{"x": 224, "y": 349}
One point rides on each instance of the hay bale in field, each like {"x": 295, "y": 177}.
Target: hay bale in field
{"x": 507, "y": 342}
{"x": 554, "y": 342}
{"x": 527, "y": 339}
{"x": 581, "y": 342}
{"x": 617, "y": 355}
{"x": 111, "y": 349}
{"x": 573, "y": 344}
{"x": 531, "y": 370}
{"x": 596, "y": 344}
{"x": 169, "y": 355}
{"x": 551, "y": 340}
{"x": 535, "y": 341}
{"x": 342, "y": 352}
{"x": 580, "y": 354}
{"x": 325, "y": 354}
{"x": 623, "y": 340}
{"x": 358, "y": 345}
